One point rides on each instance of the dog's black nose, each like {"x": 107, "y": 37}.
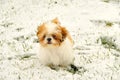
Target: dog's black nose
{"x": 48, "y": 39}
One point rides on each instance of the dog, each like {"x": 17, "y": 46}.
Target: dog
{"x": 55, "y": 44}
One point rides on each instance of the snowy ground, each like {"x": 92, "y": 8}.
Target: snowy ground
{"x": 95, "y": 28}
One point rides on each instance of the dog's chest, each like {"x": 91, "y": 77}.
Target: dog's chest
{"x": 56, "y": 51}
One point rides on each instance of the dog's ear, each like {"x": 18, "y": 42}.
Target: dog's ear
{"x": 64, "y": 33}
{"x": 56, "y": 21}
{"x": 40, "y": 29}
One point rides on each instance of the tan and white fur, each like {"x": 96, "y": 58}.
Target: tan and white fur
{"x": 55, "y": 44}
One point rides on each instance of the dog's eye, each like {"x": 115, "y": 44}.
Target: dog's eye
{"x": 44, "y": 36}
{"x": 54, "y": 36}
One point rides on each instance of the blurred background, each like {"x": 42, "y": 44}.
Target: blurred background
{"x": 93, "y": 24}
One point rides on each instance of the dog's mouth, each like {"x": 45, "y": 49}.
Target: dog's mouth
{"x": 49, "y": 42}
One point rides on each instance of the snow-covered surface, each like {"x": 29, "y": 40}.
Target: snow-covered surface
{"x": 85, "y": 19}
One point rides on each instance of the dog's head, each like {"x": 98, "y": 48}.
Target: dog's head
{"x": 51, "y": 33}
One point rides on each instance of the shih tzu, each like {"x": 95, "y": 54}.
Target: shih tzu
{"x": 55, "y": 44}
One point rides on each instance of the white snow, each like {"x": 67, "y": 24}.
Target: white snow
{"x": 87, "y": 21}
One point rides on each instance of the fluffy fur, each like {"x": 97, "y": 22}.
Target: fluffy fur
{"x": 55, "y": 44}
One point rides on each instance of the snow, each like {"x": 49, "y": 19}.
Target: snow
{"x": 87, "y": 21}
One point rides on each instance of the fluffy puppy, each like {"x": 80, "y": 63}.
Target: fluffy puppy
{"x": 55, "y": 44}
